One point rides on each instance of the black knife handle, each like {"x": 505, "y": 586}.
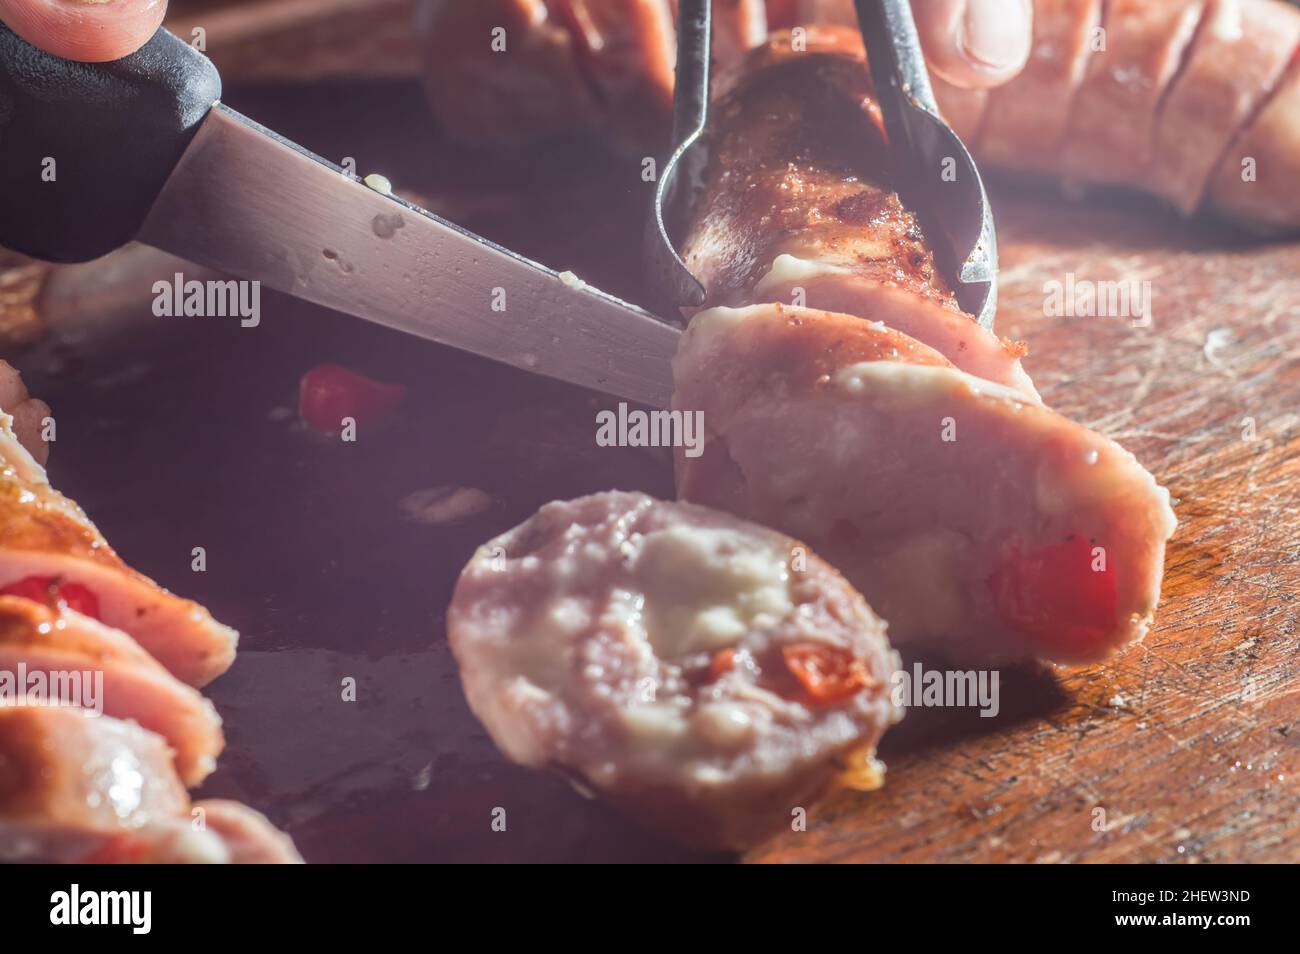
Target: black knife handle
{"x": 86, "y": 147}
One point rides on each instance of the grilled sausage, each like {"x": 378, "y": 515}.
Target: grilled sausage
{"x": 1195, "y": 101}
{"x": 594, "y": 66}
{"x": 70, "y": 783}
{"x": 799, "y": 205}
{"x": 134, "y": 685}
{"x": 704, "y": 673}
{"x": 45, "y": 535}
{"x": 972, "y": 519}
{"x": 83, "y": 789}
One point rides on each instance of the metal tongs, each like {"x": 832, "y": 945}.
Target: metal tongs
{"x": 936, "y": 174}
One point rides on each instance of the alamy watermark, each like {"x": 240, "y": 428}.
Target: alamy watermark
{"x": 215, "y": 298}
{"x": 947, "y": 688}
{"x": 1084, "y": 298}
{"x": 71, "y": 688}
{"x": 634, "y": 427}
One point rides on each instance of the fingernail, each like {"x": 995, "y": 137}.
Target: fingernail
{"x": 993, "y": 34}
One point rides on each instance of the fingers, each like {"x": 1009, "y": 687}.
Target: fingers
{"x": 975, "y": 44}
{"x": 91, "y": 30}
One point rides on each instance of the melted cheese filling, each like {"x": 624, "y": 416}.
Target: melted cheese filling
{"x": 706, "y": 587}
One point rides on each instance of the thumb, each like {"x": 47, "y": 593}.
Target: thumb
{"x": 975, "y": 44}
{"x": 91, "y": 30}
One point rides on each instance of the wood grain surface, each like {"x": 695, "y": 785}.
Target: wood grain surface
{"x": 1187, "y": 743}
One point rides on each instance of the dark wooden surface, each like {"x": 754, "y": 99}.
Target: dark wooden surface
{"x": 171, "y": 438}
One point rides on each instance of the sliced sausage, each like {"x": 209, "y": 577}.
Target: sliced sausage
{"x": 1110, "y": 137}
{"x": 533, "y": 89}
{"x": 1256, "y": 183}
{"x": 706, "y": 674}
{"x": 248, "y": 835}
{"x": 602, "y": 67}
{"x": 1172, "y": 98}
{"x": 76, "y": 788}
{"x": 799, "y": 205}
{"x": 71, "y": 783}
{"x": 972, "y": 519}
{"x": 1240, "y": 53}
{"x": 211, "y": 832}
{"x": 134, "y": 685}
{"x": 26, "y": 413}
{"x": 45, "y": 535}
{"x": 1024, "y": 123}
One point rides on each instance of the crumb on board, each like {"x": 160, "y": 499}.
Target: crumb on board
{"x": 572, "y": 280}
{"x": 379, "y": 183}
{"x": 445, "y": 504}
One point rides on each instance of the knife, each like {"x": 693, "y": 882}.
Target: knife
{"x": 95, "y": 155}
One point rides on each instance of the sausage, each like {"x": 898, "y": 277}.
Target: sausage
{"x": 27, "y": 414}
{"x": 1167, "y": 96}
{"x": 37, "y": 639}
{"x": 1239, "y": 56}
{"x": 22, "y": 319}
{"x": 531, "y": 90}
{"x": 1025, "y": 121}
{"x": 798, "y": 205}
{"x": 248, "y": 836}
{"x": 601, "y": 67}
{"x": 81, "y": 789}
{"x": 70, "y": 783}
{"x": 973, "y": 519}
{"x": 705, "y": 674}
{"x": 1255, "y": 183}
{"x": 1113, "y": 117}
{"x": 44, "y": 534}
{"x": 106, "y": 786}
{"x": 1170, "y": 97}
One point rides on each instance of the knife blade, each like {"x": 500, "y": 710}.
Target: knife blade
{"x": 248, "y": 202}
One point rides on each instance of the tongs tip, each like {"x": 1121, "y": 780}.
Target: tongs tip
{"x": 968, "y": 256}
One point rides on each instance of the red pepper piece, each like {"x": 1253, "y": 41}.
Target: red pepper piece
{"x": 330, "y": 392}
{"x": 829, "y": 674}
{"x": 724, "y": 660}
{"x": 56, "y": 593}
{"x": 1054, "y": 595}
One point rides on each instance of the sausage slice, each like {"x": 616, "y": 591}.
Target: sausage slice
{"x": 706, "y": 674}
{"x": 70, "y": 783}
{"x": 36, "y": 639}
{"x": 972, "y": 519}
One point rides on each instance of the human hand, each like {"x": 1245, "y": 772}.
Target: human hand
{"x": 975, "y": 44}
{"x": 94, "y": 31}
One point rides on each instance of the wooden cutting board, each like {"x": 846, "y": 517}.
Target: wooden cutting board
{"x": 1188, "y": 741}
{"x": 179, "y": 434}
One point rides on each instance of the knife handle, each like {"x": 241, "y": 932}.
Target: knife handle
{"x": 85, "y": 148}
